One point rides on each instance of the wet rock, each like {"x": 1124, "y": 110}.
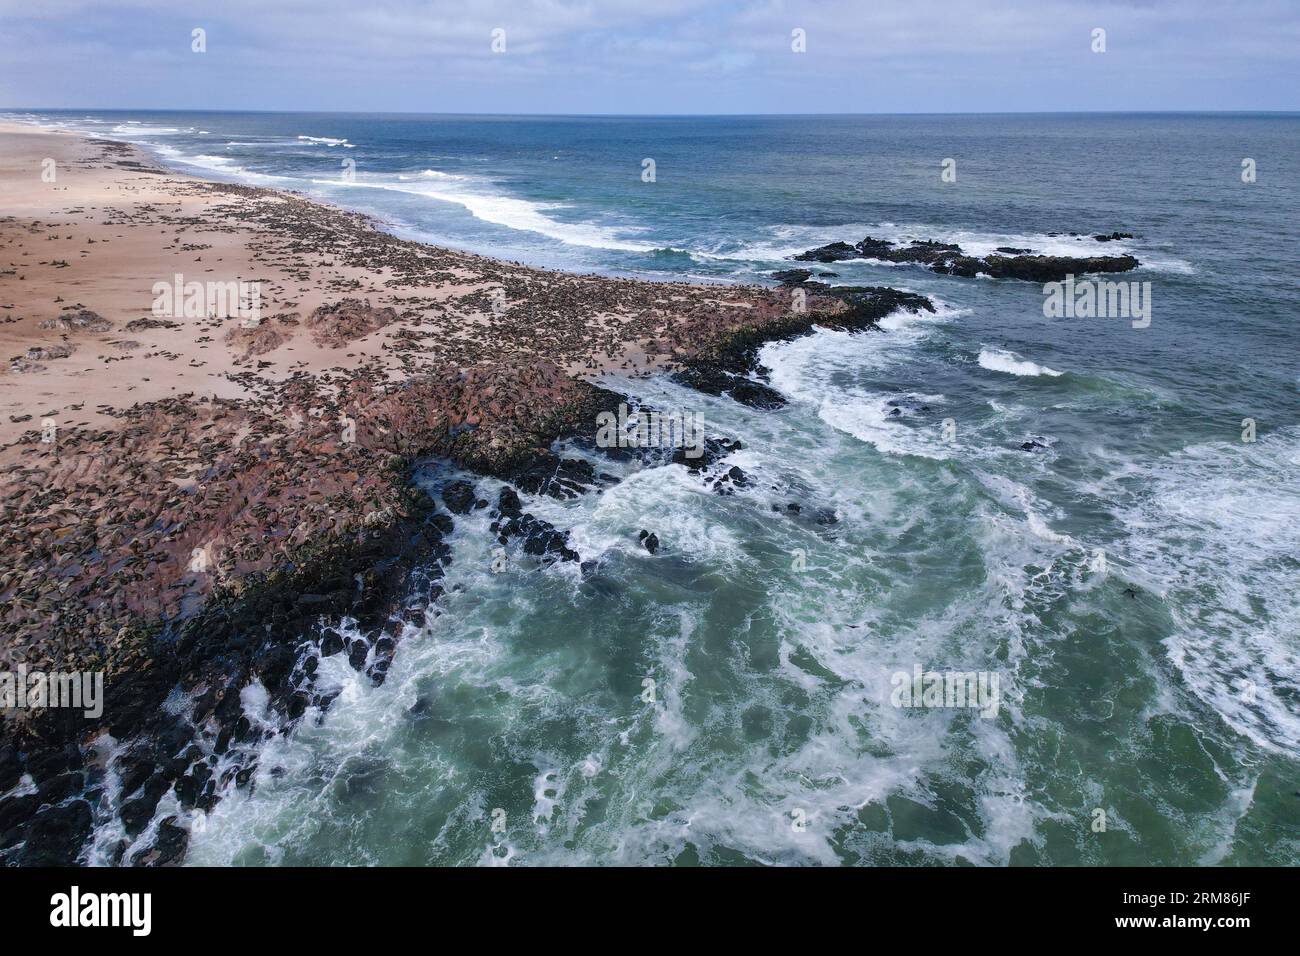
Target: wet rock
{"x": 792, "y": 277}
{"x": 542, "y": 538}
{"x": 331, "y": 642}
{"x": 649, "y": 541}
{"x": 548, "y": 474}
{"x": 297, "y": 704}
{"x": 137, "y": 813}
{"x": 190, "y": 787}
{"x": 714, "y": 449}
{"x": 713, "y": 380}
{"x": 833, "y": 252}
{"x": 357, "y": 653}
{"x": 1054, "y": 268}
{"x": 730, "y": 480}
{"x": 56, "y": 835}
{"x": 508, "y": 503}
{"x": 948, "y": 259}
{"x": 11, "y": 768}
{"x": 459, "y": 497}
{"x": 52, "y": 763}
{"x": 274, "y": 663}
{"x": 168, "y": 847}
{"x": 134, "y": 768}
{"x": 1114, "y": 237}
{"x": 57, "y": 789}
{"x": 14, "y": 814}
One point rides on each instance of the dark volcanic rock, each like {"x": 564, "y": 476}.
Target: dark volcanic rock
{"x": 948, "y": 259}
{"x": 508, "y": 503}
{"x": 649, "y": 541}
{"x": 331, "y": 642}
{"x": 730, "y": 480}
{"x": 459, "y": 497}
{"x": 57, "y": 789}
{"x": 11, "y": 768}
{"x": 792, "y": 276}
{"x": 540, "y": 538}
{"x": 833, "y": 252}
{"x": 56, "y": 834}
{"x": 168, "y": 847}
{"x": 14, "y": 814}
{"x": 714, "y": 449}
{"x": 714, "y": 380}
{"x": 1054, "y": 268}
{"x": 549, "y": 474}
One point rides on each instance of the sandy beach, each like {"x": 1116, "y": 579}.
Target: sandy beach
{"x": 111, "y": 224}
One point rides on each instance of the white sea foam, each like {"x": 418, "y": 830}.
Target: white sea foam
{"x": 999, "y": 360}
{"x": 806, "y": 370}
{"x": 133, "y": 128}
{"x": 224, "y": 165}
{"x": 503, "y": 210}
{"x": 326, "y": 141}
{"x": 1219, "y": 525}
{"x": 220, "y": 162}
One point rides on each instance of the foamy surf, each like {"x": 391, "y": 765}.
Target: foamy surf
{"x": 503, "y": 210}
{"x": 1219, "y": 526}
{"x": 999, "y": 360}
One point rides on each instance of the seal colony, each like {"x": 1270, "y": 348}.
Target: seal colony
{"x": 194, "y": 503}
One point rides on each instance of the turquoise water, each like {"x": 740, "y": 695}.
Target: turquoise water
{"x": 1132, "y": 584}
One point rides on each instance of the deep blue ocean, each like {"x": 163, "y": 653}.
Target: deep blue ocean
{"x": 1134, "y": 581}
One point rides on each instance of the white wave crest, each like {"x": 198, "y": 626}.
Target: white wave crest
{"x": 508, "y": 211}
{"x": 998, "y": 360}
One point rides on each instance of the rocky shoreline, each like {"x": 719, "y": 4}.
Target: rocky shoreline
{"x": 273, "y": 627}
{"x": 194, "y": 546}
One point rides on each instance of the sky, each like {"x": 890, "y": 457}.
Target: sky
{"x": 651, "y": 56}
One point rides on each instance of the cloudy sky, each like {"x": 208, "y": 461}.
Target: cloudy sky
{"x": 652, "y": 56}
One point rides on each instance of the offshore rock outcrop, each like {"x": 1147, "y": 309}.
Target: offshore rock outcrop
{"x": 949, "y": 259}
